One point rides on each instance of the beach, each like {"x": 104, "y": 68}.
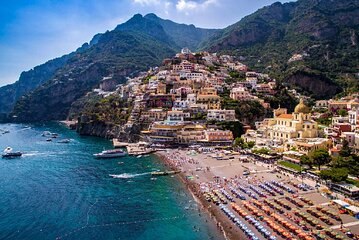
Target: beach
{"x": 205, "y": 176}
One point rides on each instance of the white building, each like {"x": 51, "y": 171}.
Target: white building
{"x": 240, "y": 93}
{"x": 221, "y": 115}
{"x": 177, "y": 116}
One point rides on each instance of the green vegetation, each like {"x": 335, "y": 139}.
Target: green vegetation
{"x": 322, "y": 31}
{"x": 247, "y": 111}
{"x": 239, "y": 142}
{"x": 290, "y": 165}
{"x": 334, "y": 174}
{"x": 235, "y": 127}
{"x": 110, "y": 109}
{"x": 261, "y": 151}
{"x": 320, "y": 157}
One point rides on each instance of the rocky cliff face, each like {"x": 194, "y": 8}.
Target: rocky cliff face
{"x": 108, "y": 130}
{"x": 316, "y": 85}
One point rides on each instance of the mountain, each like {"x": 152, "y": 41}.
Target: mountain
{"x": 307, "y": 41}
{"x": 29, "y": 80}
{"x": 133, "y": 46}
{"x": 181, "y": 34}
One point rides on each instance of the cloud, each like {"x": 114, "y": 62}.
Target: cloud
{"x": 147, "y": 2}
{"x": 187, "y": 6}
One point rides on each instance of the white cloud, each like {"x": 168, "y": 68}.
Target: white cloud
{"x": 147, "y": 2}
{"x": 187, "y": 5}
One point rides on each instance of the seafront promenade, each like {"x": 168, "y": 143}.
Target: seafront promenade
{"x": 251, "y": 200}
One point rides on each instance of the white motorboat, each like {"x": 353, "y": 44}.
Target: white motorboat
{"x": 111, "y": 154}
{"x": 8, "y": 153}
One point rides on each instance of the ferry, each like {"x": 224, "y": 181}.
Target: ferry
{"x": 111, "y": 154}
{"x": 8, "y": 153}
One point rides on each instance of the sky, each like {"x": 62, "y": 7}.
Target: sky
{"x": 35, "y": 31}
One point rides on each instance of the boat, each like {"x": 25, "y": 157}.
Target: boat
{"x": 49, "y": 140}
{"x": 65, "y": 141}
{"x": 165, "y": 173}
{"x": 111, "y": 153}
{"x": 120, "y": 163}
{"x": 8, "y": 153}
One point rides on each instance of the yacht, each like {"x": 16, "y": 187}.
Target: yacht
{"x": 65, "y": 141}
{"x": 8, "y": 153}
{"x": 111, "y": 154}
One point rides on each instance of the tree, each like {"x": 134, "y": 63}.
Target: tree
{"x": 251, "y": 144}
{"x": 305, "y": 160}
{"x": 238, "y": 142}
{"x": 345, "y": 151}
{"x": 320, "y": 157}
{"x": 325, "y": 174}
{"x": 342, "y": 112}
{"x": 339, "y": 174}
{"x": 334, "y": 174}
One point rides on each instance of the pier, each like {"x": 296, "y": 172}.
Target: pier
{"x": 117, "y": 144}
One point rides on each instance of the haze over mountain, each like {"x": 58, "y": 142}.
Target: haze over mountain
{"x": 323, "y": 32}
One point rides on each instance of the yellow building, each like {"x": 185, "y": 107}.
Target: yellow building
{"x": 289, "y": 126}
{"x": 192, "y": 133}
{"x": 212, "y": 101}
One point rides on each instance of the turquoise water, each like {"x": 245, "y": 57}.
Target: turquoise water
{"x": 60, "y": 191}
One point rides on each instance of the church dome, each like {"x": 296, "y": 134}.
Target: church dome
{"x": 301, "y": 107}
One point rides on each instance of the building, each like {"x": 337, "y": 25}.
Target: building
{"x": 218, "y": 136}
{"x": 281, "y": 131}
{"x": 240, "y": 93}
{"x": 307, "y": 145}
{"x": 164, "y": 132}
{"x": 321, "y": 104}
{"x": 153, "y": 115}
{"x": 346, "y": 189}
{"x": 289, "y": 126}
{"x": 212, "y": 101}
{"x": 177, "y": 116}
{"x": 353, "y": 116}
{"x": 221, "y": 115}
{"x": 160, "y": 101}
{"x": 191, "y": 134}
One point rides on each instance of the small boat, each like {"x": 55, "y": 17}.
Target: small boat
{"x": 139, "y": 156}
{"x": 120, "y": 163}
{"x": 65, "y": 141}
{"x": 49, "y": 140}
{"x": 46, "y": 133}
{"x": 8, "y": 153}
{"x": 165, "y": 173}
{"x": 111, "y": 154}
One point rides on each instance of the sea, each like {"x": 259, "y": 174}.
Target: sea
{"x": 60, "y": 191}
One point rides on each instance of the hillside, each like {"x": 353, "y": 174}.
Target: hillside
{"x": 133, "y": 46}
{"x": 116, "y": 54}
{"x": 322, "y": 32}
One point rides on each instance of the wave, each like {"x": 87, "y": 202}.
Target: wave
{"x": 128, "y": 175}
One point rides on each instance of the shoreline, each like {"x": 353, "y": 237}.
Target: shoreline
{"x": 223, "y": 225}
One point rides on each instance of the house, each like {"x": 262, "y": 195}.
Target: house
{"x": 221, "y": 115}
{"x": 177, "y": 116}
{"x": 160, "y": 101}
{"x": 218, "y": 136}
{"x": 191, "y": 133}
{"x": 240, "y": 93}
{"x": 212, "y": 101}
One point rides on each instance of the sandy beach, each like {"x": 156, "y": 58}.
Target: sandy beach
{"x": 204, "y": 175}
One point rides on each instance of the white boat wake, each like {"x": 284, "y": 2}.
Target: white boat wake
{"x": 128, "y": 175}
